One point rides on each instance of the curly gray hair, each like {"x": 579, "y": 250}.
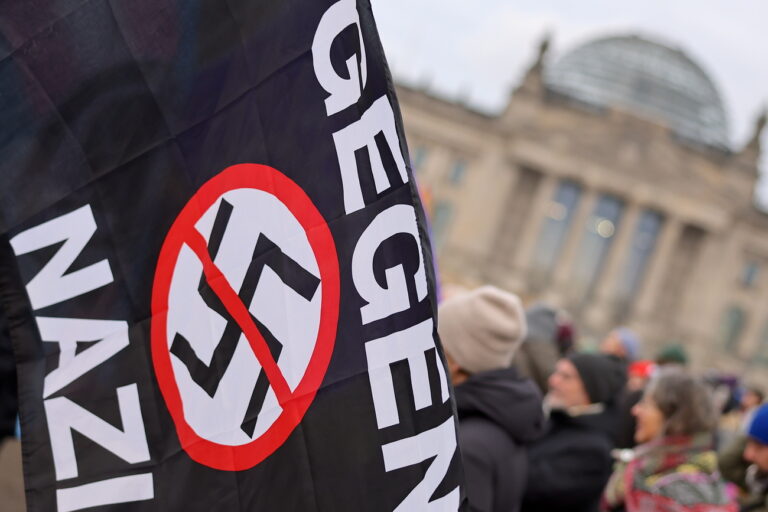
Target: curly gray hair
{"x": 685, "y": 402}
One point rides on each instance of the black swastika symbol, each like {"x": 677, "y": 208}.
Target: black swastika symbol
{"x": 266, "y": 253}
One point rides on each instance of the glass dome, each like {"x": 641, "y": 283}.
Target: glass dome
{"x": 649, "y": 79}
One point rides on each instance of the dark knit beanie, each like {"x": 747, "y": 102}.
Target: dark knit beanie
{"x": 603, "y": 376}
{"x": 672, "y": 354}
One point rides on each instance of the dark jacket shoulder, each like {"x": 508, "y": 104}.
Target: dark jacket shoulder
{"x": 570, "y": 465}
{"x": 499, "y": 412}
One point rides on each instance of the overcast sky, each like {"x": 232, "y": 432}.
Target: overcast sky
{"x": 478, "y": 50}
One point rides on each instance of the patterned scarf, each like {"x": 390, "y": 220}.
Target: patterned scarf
{"x": 670, "y": 475}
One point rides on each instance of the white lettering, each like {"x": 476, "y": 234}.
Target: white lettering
{"x": 112, "y": 337}
{"x": 63, "y": 416}
{"x": 344, "y": 91}
{"x": 409, "y": 344}
{"x": 106, "y": 492}
{"x": 50, "y": 285}
{"x": 379, "y": 118}
{"x": 383, "y": 302}
{"x": 439, "y": 442}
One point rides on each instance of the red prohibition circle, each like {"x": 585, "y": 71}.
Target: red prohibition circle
{"x": 267, "y": 179}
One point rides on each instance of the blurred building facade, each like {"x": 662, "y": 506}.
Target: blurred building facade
{"x": 608, "y": 187}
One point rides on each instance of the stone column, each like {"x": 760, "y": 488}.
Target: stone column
{"x": 711, "y": 283}
{"x": 657, "y": 267}
{"x": 756, "y": 309}
{"x": 751, "y": 333}
{"x": 545, "y": 193}
{"x": 489, "y": 183}
{"x": 601, "y": 308}
{"x": 501, "y": 248}
{"x": 566, "y": 258}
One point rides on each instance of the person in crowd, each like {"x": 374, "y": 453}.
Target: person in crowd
{"x": 745, "y": 463}
{"x": 740, "y": 406}
{"x": 672, "y": 354}
{"x": 622, "y": 343}
{"x": 640, "y": 373}
{"x": 751, "y": 400}
{"x": 539, "y": 351}
{"x": 674, "y": 468}
{"x": 499, "y": 411}
{"x": 726, "y": 390}
{"x": 756, "y": 452}
{"x": 566, "y": 334}
{"x": 569, "y": 466}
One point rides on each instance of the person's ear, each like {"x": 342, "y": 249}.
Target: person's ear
{"x": 453, "y": 366}
{"x": 457, "y": 374}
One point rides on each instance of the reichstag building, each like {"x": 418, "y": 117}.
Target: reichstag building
{"x": 608, "y": 187}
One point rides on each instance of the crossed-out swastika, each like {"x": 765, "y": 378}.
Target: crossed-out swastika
{"x": 246, "y": 257}
{"x": 266, "y": 253}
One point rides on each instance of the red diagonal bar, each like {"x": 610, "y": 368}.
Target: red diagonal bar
{"x": 239, "y": 311}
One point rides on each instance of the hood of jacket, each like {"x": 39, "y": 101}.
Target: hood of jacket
{"x": 504, "y": 398}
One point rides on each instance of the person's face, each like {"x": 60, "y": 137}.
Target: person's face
{"x": 757, "y": 453}
{"x": 750, "y": 400}
{"x": 612, "y": 345}
{"x": 636, "y": 383}
{"x": 649, "y": 420}
{"x": 566, "y": 388}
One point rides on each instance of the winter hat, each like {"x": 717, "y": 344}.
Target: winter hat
{"x": 672, "y": 354}
{"x": 481, "y": 330}
{"x": 643, "y": 369}
{"x": 603, "y": 376}
{"x": 630, "y": 342}
{"x": 758, "y": 429}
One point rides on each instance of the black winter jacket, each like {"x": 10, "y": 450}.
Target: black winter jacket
{"x": 570, "y": 465}
{"x": 499, "y": 412}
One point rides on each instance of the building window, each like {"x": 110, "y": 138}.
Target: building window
{"x": 762, "y": 348}
{"x": 459, "y": 169}
{"x": 441, "y": 219}
{"x": 731, "y": 327}
{"x": 554, "y": 231}
{"x": 519, "y": 204}
{"x": 643, "y": 242}
{"x": 418, "y": 157}
{"x": 749, "y": 274}
{"x": 598, "y": 236}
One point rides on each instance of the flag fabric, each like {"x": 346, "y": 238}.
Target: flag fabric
{"x": 214, "y": 266}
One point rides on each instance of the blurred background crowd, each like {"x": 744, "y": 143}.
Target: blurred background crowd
{"x": 545, "y": 425}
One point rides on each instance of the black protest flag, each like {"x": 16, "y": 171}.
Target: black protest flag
{"x": 213, "y": 261}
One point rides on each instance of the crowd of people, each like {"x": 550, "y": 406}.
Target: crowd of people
{"x": 546, "y": 427}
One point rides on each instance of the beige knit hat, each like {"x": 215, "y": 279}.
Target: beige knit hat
{"x": 482, "y": 329}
